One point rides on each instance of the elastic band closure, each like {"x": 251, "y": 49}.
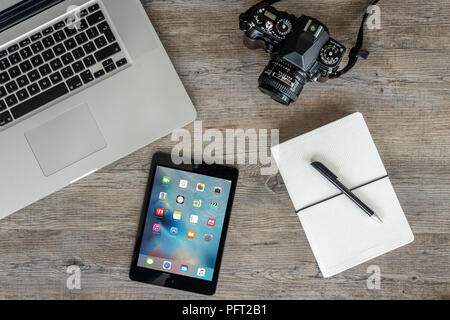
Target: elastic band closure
{"x": 360, "y": 186}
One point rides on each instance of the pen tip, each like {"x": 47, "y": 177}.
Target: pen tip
{"x": 377, "y": 218}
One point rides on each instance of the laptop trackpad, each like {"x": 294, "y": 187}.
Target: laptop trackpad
{"x": 66, "y": 140}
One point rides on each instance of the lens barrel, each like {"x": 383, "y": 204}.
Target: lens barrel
{"x": 282, "y": 82}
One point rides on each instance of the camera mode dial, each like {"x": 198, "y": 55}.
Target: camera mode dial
{"x": 283, "y": 27}
{"x": 330, "y": 54}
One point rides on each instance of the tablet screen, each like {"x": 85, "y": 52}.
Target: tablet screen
{"x": 184, "y": 223}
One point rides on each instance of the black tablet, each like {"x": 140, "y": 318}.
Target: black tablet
{"x": 183, "y": 225}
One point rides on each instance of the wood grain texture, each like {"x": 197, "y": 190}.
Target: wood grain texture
{"x": 402, "y": 90}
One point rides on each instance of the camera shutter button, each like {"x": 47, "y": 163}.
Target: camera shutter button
{"x": 269, "y": 25}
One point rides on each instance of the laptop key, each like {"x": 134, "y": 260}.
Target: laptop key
{"x": 48, "y": 55}
{"x": 74, "y": 83}
{"x": 33, "y": 75}
{"x": 5, "y": 118}
{"x": 45, "y": 83}
{"x": 13, "y": 48}
{"x": 56, "y": 64}
{"x": 89, "y": 61}
{"x": 110, "y": 36}
{"x": 25, "y": 66}
{"x": 48, "y": 41}
{"x": 100, "y": 42}
{"x": 103, "y": 27}
{"x": 78, "y": 66}
{"x": 47, "y": 31}
{"x": 15, "y": 58}
{"x": 67, "y": 72}
{"x": 92, "y": 32}
{"x": 70, "y": 30}
{"x": 99, "y": 74}
{"x": 4, "y": 77}
{"x": 108, "y": 62}
{"x": 83, "y": 25}
{"x": 95, "y": 18}
{"x": 37, "y": 61}
{"x": 121, "y": 62}
{"x": 22, "y": 94}
{"x": 59, "y": 25}
{"x": 70, "y": 44}
{"x": 22, "y": 81}
{"x": 81, "y": 38}
{"x": 14, "y": 72}
{"x": 37, "y": 47}
{"x": 67, "y": 58}
{"x": 2, "y": 105}
{"x": 11, "y": 100}
{"x": 4, "y": 64}
{"x": 110, "y": 68}
{"x": 36, "y": 36}
{"x": 26, "y": 53}
{"x": 39, "y": 100}
{"x": 24, "y": 42}
{"x": 107, "y": 52}
{"x": 3, "y": 92}
{"x": 33, "y": 89}
{"x": 59, "y": 36}
{"x": 56, "y": 77}
{"x": 11, "y": 86}
{"x": 59, "y": 49}
{"x": 78, "y": 53}
{"x": 89, "y": 47}
{"x": 3, "y": 53}
{"x": 45, "y": 70}
{"x": 94, "y": 7}
{"x": 87, "y": 76}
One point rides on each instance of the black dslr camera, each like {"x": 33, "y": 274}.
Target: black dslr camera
{"x": 301, "y": 50}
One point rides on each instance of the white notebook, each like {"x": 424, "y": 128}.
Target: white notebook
{"x": 341, "y": 235}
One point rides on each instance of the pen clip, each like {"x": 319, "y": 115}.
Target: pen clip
{"x": 321, "y": 167}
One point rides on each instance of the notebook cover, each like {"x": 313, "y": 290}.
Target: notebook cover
{"x": 340, "y": 234}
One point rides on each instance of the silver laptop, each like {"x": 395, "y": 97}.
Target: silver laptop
{"x": 82, "y": 84}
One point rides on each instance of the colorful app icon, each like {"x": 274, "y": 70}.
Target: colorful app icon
{"x": 197, "y": 203}
{"x": 214, "y": 206}
{"x": 180, "y": 199}
{"x": 183, "y": 184}
{"x": 160, "y": 212}
{"x": 211, "y": 222}
{"x": 177, "y": 215}
{"x": 162, "y": 196}
{"x": 166, "y": 180}
{"x": 193, "y": 218}
{"x": 191, "y": 234}
{"x": 156, "y": 227}
{"x": 167, "y": 265}
{"x": 200, "y": 187}
{"x": 201, "y": 272}
{"x": 174, "y": 231}
{"x": 184, "y": 268}
{"x": 208, "y": 237}
{"x": 149, "y": 261}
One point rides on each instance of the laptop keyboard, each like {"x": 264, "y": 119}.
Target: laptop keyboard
{"x": 57, "y": 61}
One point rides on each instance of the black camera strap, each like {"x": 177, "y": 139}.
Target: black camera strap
{"x": 357, "y": 51}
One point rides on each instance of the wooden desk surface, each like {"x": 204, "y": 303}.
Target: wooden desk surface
{"x": 403, "y": 92}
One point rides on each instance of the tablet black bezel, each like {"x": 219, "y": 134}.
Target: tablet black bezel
{"x": 177, "y": 281}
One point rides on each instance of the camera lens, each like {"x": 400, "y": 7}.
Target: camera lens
{"x": 282, "y": 82}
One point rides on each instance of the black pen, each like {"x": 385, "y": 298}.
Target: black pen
{"x": 334, "y": 180}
